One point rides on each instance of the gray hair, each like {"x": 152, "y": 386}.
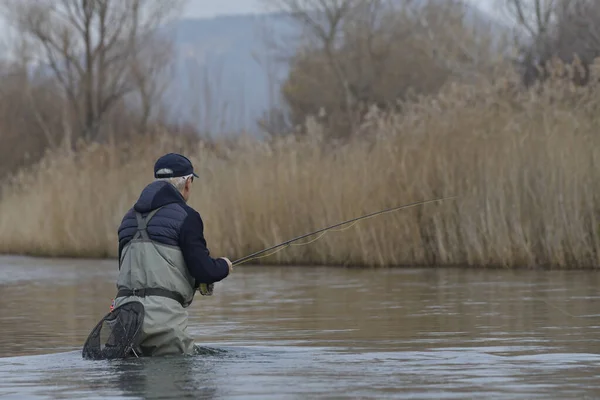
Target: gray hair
{"x": 178, "y": 181}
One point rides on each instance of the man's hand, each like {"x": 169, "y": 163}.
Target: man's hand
{"x": 229, "y": 264}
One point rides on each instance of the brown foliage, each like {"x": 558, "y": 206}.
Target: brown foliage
{"x": 523, "y": 163}
{"x": 100, "y": 53}
{"x": 24, "y": 103}
{"x": 84, "y": 70}
{"x": 377, "y": 52}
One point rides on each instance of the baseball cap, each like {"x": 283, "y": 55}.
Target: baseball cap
{"x": 173, "y": 165}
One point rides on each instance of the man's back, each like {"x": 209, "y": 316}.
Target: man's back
{"x": 163, "y": 256}
{"x": 175, "y": 224}
{"x": 165, "y": 226}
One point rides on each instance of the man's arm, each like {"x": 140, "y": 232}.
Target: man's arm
{"x": 201, "y": 265}
{"x": 126, "y": 230}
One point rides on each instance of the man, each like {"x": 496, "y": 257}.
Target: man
{"x": 163, "y": 258}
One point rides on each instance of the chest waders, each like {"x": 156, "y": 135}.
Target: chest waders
{"x": 118, "y": 333}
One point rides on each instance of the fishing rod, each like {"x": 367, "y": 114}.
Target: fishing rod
{"x": 324, "y": 230}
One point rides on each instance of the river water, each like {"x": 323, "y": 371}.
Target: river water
{"x": 306, "y": 332}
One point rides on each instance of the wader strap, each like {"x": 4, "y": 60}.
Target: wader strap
{"x": 142, "y": 224}
{"x": 152, "y": 292}
{"x": 143, "y": 233}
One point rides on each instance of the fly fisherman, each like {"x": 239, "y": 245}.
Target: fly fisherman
{"x": 163, "y": 258}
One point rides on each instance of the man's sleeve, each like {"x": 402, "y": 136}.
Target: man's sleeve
{"x": 201, "y": 265}
{"x": 125, "y": 233}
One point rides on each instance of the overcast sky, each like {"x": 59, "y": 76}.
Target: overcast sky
{"x": 210, "y": 8}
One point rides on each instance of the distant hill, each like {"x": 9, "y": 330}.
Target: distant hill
{"x": 222, "y": 83}
{"x": 219, "y": 84}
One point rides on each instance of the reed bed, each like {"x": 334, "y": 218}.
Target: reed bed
{"x": 524, "y": 165}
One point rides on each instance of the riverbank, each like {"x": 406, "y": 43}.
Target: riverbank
{"x": 524, "y": 166}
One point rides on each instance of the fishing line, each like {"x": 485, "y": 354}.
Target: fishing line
{"x": 301, "y": 244}
{"x": 322, "y": 232}
{"x": 259, "y": 254}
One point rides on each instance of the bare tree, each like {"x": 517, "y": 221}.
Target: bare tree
{"x": 464, "y": 47}
{"x": 562, "y": 29}
{"x": 356, "y": 53}
{"x": 533, "y": 17}
{"x": 150, "y": 76}
{"x": 576, "y": 28}
{"x": 95, "y": 49}
{"x": 322, "y": 22}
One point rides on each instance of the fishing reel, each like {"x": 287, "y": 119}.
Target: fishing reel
{"x": 206, "y": 289}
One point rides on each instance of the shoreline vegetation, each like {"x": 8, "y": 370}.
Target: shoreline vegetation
{"x": 506, "y": 122}
{"x": 524, "y": 164}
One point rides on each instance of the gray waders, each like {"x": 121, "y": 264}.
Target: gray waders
{"x": 156, "y": 275}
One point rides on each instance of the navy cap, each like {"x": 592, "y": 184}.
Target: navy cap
{"x": 173, "y": 165}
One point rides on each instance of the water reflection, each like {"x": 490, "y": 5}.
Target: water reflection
{"x": 186, "y": 377}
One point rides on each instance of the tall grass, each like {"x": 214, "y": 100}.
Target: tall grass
{"x": 523, "y": 163}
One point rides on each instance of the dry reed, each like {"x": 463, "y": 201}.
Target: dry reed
{"x": 522, "y": 163}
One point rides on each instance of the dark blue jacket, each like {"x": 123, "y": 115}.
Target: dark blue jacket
{"x": 176, "y": 224}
